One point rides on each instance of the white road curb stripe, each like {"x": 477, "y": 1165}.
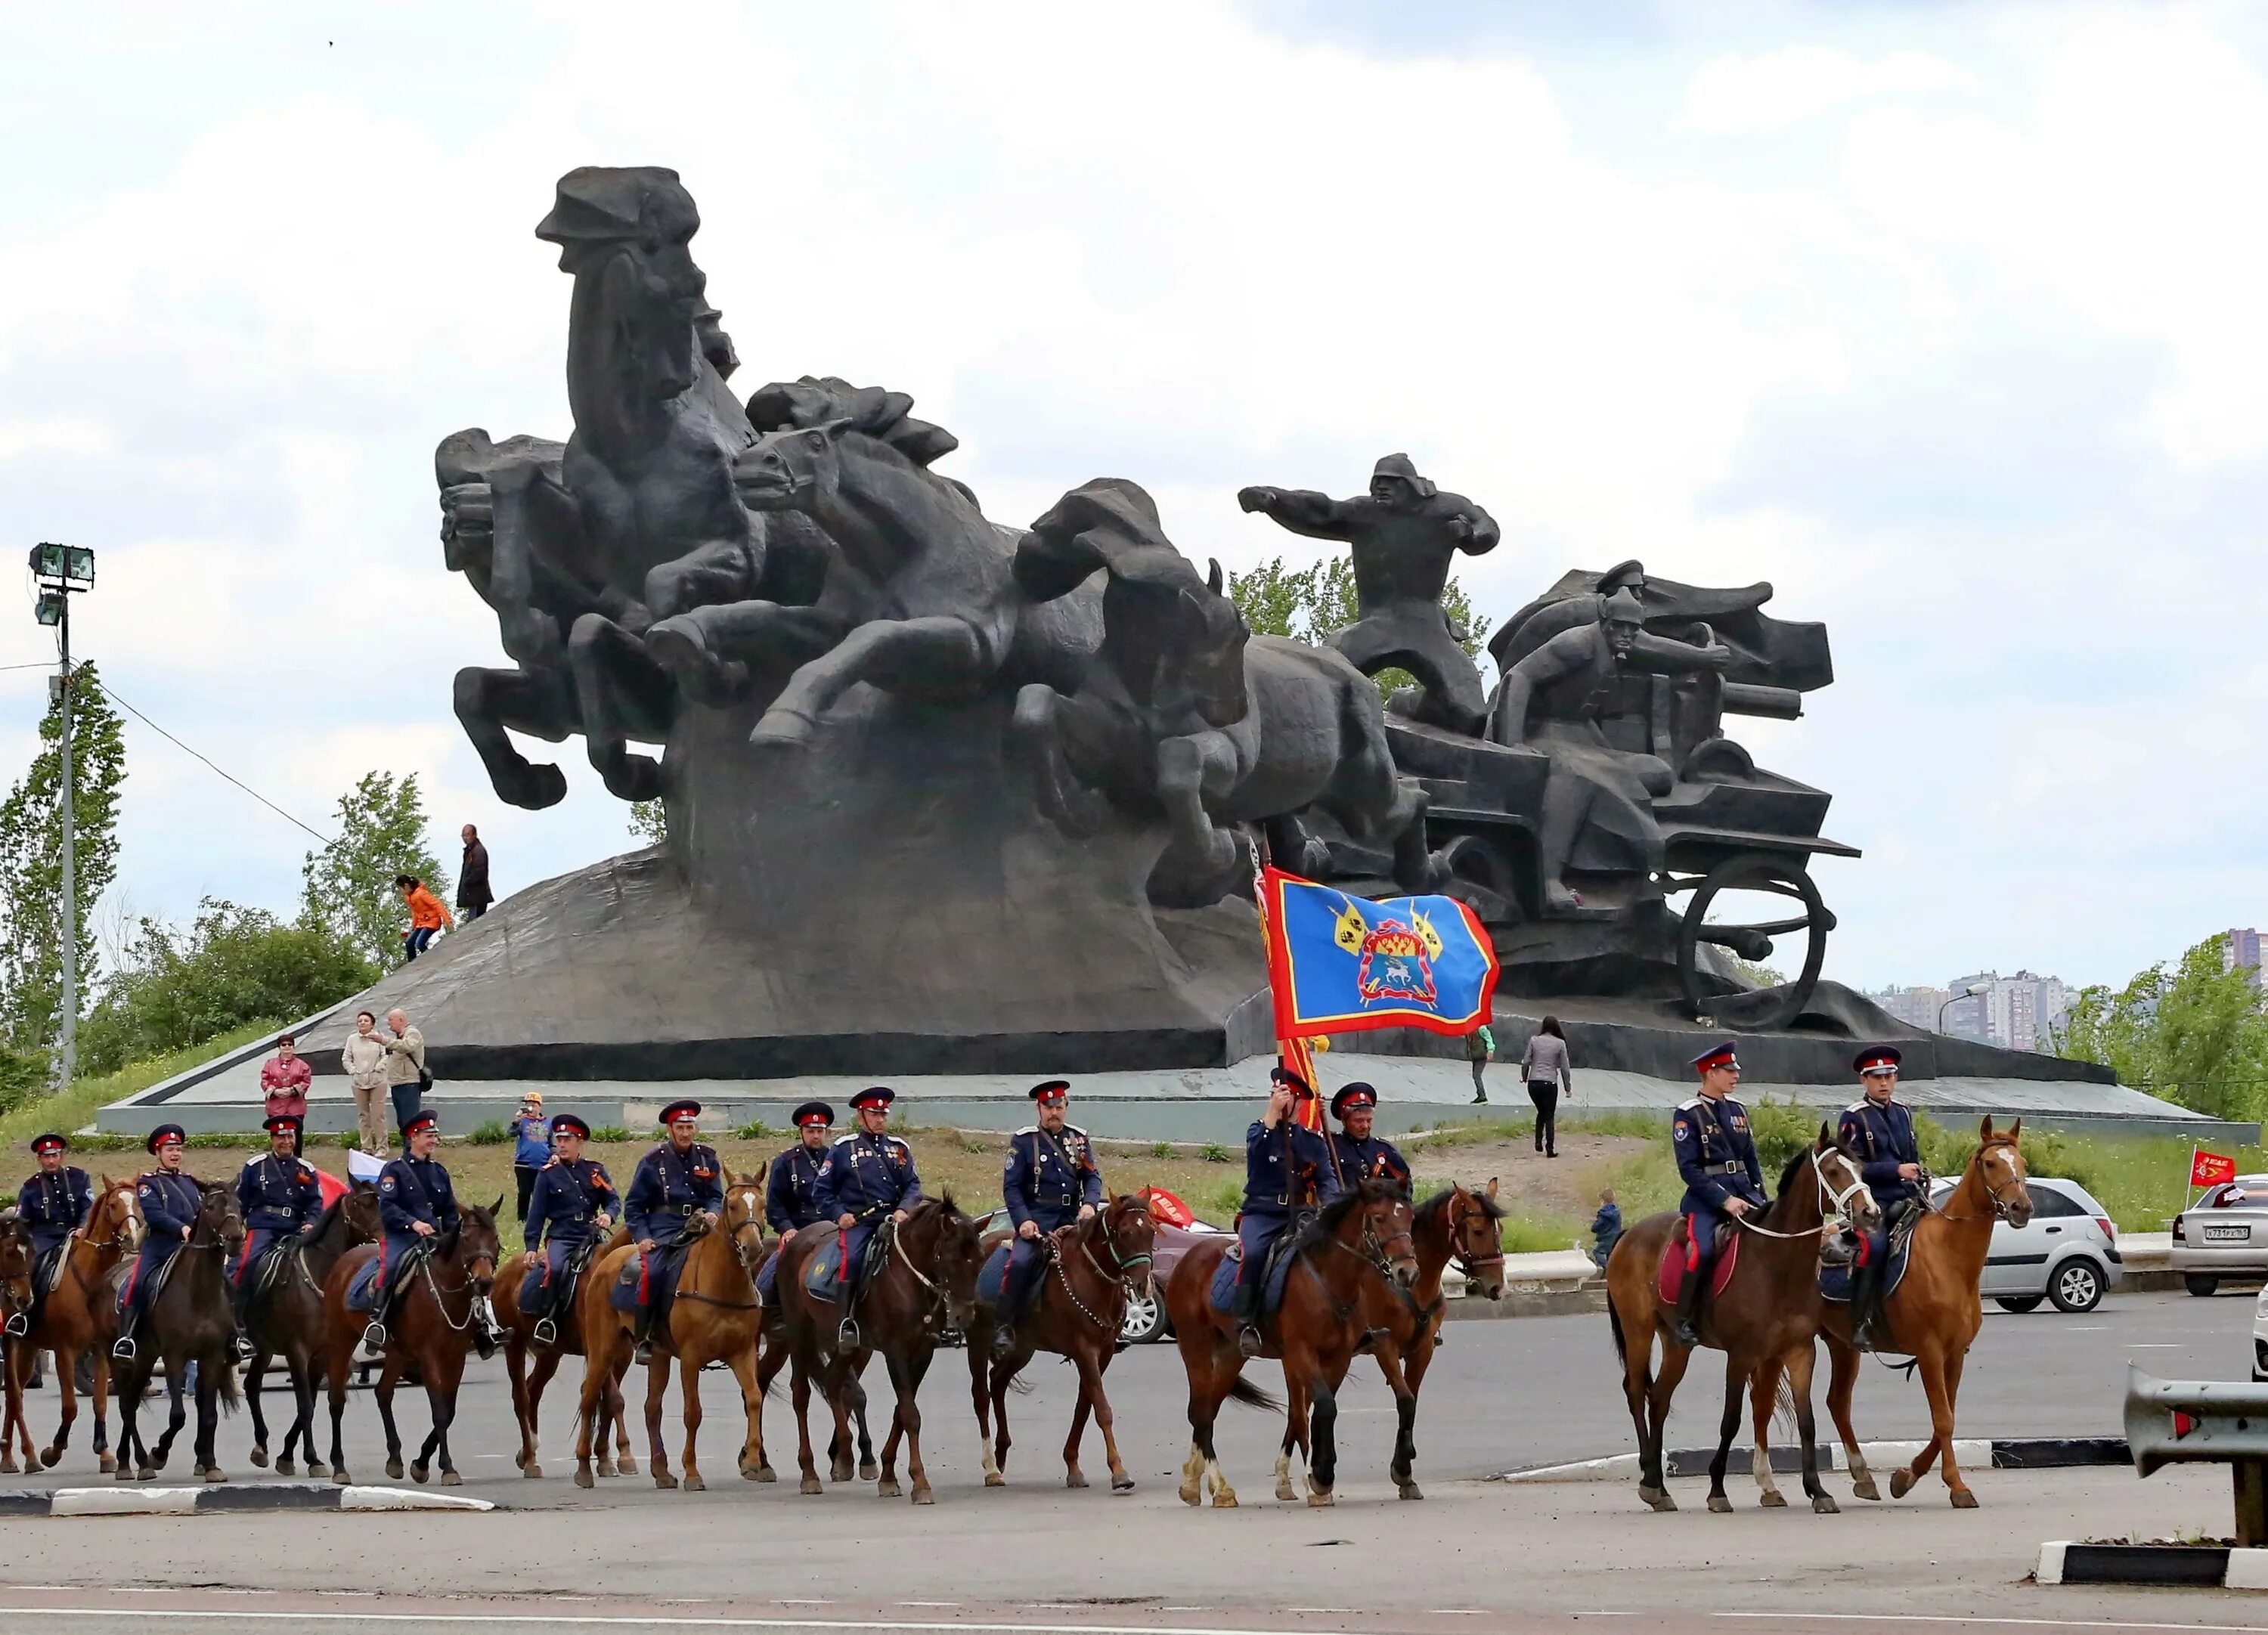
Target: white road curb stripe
{"x": 125, "y": 1501}
{"x": 136, "y": 1500}
{"x": 405, "y": 1499}
{"x": 2051, "y": 1568}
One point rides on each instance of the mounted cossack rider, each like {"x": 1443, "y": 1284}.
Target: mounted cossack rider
{"x": 676, "y": 1180}
{"x": 52, "y": 1206}
{"x": 280, "y": 1197}
{"x": 868, "y": 1175}
{"x": 1357, "y": 1154}
{"x": 1879, "y": 1128}
{"x": 1051, "y": 1182}
{"x": 791, "y": 1189}
{"x": 416, "y": 1204}
{"x": 169, "y": 1200}
{"x": 1717, "y": 1158}
{"x": 1287, "y": 1169}
{"x": 571, "y": 1207}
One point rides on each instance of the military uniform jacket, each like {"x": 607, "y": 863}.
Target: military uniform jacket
{"x": 668, "y": 1187}
{"x": 411, "y": 1190}
{"x": 566, "y": 1202}
{"x": 52, "y": 1207}
{"x": 278, "y": 1194}
{"x": 1050, "y": 1177}
{"x": 791, "y": 1189}
{"x": 1716, "y": 1154}
{"x": 1286, "y": 1169}
{"x": 1371, "y": 1158}
{"x": 866, "y": 1176}
{"x": 1883, "y": 1138}
{"x": 169, "y": 1206}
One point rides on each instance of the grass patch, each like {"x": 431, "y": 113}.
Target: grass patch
{"x": 1214, "y": 1152}
{"x": 69, "y": 1108}
{"x": 490, "y": 1132}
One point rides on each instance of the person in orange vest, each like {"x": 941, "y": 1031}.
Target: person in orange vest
{"x": 427, "y": 914}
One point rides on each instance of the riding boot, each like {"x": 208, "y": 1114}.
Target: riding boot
{"x": 1246, "y": 1309}
{"x": 1866, "y": 1285}
{"x": 121, "y": 1349}
{"x": 546, "y": 1331}
{"x": 373, "y": 1332}
{"x": 1686, "y": 1328}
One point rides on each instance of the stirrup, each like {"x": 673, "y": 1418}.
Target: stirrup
{"x": 846, "y": 1335}
{"x": 545, "y": 1332}
{"x": 373, "y": 1337}
{"x": 122, "y": 1350}
{"x": 644, "y": 1354}
{"x": 1248, "y": 1340}
{"x": 20, "y": 1324}
{"x": 240, "y": 1342}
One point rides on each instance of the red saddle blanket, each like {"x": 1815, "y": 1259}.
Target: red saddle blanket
{"x": 1677, "y": 1254}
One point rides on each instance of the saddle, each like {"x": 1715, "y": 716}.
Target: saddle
{"x": 1678, "y": 1251}
{"x": 1835, "y": 1281}
{"x": 822, "y": 1274}
{"x": 531, "y": 1284}
{"x": 648, "y": 1279}
{"x": 1276, "y": 1275}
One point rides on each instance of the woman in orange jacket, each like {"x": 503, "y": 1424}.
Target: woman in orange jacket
{"x": 427, "y": 914}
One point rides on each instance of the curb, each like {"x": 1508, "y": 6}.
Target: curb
{"x": 2203, "y": 1566}
{"x": 2011, "y": 1453}
{"x": 136, "y": 1500}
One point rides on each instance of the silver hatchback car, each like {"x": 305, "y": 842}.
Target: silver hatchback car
{"x": 2067, "y": 1253}
{"x": 2223, "y": 1235}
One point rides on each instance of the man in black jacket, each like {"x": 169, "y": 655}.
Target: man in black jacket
{"x": 472, "y": 893}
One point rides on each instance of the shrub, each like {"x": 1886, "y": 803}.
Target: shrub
{"x": 1161, "y": 1149}
{"x": 1214, "y": 1152}
{"x": 490, "y": 1132}
{"x": 1782, "y": 1130}
{"x": 755, "y": 1129}
{"x": 610, "y": 1132}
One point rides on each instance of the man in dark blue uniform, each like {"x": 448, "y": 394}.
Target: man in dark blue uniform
{"x": 1879, "y": 1130}
{"x": 791, "y": 1189}
{"x": 416, "y": 1206}
{"x": 1360, "y": 1155}
{"x": 1287, "y": 1169}
{"x": 571, "y": 1206}
{"x": 169, "y": 1201}
{"x": 280, "y": 1197}
{"x": 52, "y": 1206}
{"x": 867, "y": 1177}
{"x": 1717, "y": 1158}
{"x": 1052, "y": 1181}
{"x": 679, "y": 1178}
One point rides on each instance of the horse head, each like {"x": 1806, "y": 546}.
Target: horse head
{"x": 1130, "y": 1239}
{"x": 946, "y": 1247}
{"x": 359, "y": 1210}
{"x": 1839, "y": 1190}
{"x": 1999, "y": 1165}
{"x": 219, "y": 1221}
{"x": 115, "y": 1220}
{"x": 1474, "y": 1223}
{"x": 742, "y": 1219}
{"x": 1375, "y": 1220}
{"x": 795, "y": 468}
{"x": 478, "y": 1248}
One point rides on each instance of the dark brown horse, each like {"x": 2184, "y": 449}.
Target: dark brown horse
{"x": 520, "y": 1344}
{"x": 773, "y": 1356}
{"x": 188, "y": 1320}
{"x": 16, "y": 1258}
{"x": 436, "y": 1317}
{"x": 1770, "y": 1308}
{"x": 1362, "y": 1236}
{"x": 1082, "y": 1306}
{"x": 286, "y": 1320}
{"x": 927, "y": 1278}
{"x": 79, "y": 1318}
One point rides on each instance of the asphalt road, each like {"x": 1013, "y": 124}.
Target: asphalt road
{"x": 1503, "y": 1395}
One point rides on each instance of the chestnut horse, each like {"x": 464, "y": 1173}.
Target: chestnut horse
{"x": 1320, "y": 1328}
{"x": 79, "y": 1318}
{"x": 714, "y": 1317}
{"x": 287, "y": 1321}
{"x": 1080, "y": 1307}
{"x": 520, "y": 1341}
{"x": 188, "y": 1320}
{"x": 437, "y": 1316}
{"x": 16, "y": 1259}
{"x": 1772, "y": 1308}
{"x": 927, "y": 1278}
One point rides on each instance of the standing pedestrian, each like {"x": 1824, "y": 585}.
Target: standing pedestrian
{"x": 1544, "y": 1066}
{"x": 284, "y": 1079}
{"x": 364, "y": 1059}
{"x": 472, "y": 893}
{"x": 1480, "y": 1044}
{"x": 405, "y": 1067}
{"x": 531, "y": 1134}
{"x": 427, "y": 914}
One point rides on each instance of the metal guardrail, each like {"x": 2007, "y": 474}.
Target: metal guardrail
{"x": 2205, "y": 1422}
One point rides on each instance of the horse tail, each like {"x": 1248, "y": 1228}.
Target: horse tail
{"x": 1243, "y": 1390}
{"x": 230, "y": 1398}
{"x": 1615, "y": 1323}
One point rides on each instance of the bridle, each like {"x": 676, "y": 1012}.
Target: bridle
{"x": 1466, "y": 1261}
{"x": 1375, "y": 1250}
{"x": 1122, "y": 1277}
{"x": 1833, "y": 1205}
{"x": 733, "y": 1237}
{"x": 2001, "y": 1205}
{"x": 474, "y": 1286}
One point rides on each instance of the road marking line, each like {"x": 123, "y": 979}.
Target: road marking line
{"x": 889, "y": 1626}
{"x": 1981, "y": 1618}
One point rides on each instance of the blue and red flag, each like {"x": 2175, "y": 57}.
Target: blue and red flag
{"x": 1340, "y": 964}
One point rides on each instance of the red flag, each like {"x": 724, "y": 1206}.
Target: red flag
{"x": 2210, "y": 1169}
{"x": 1166, "y": 1207}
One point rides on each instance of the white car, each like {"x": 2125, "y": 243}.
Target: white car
{"x": 2260, "y": 1338}
{"x": 2068, "y": 1252}
{"x": 2224, "y": 1235}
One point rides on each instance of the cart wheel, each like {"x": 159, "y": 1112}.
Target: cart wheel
{"x": 1755, "y": 871}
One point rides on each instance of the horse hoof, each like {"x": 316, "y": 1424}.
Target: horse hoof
{"x": 1825, "y": 1505}
{"x": 259, "y": 1457}
{"x": 922, "y": 1496}
{"x": 1719, "y": 1505}
{"x": 694, "y": 1483}
{"x": 450, "y": 1478}
{"x": 285, "y": 1466}
{"x": 627, "y": 1465}
{"x": 1657, "y": 1499}
{"x": 146, "y": 1473}
{"x": 418, "y": 1473}
{"x": 1075, "y": 1479}
{"x": 1901, "y": 1484}
{"x": 8, "y": 1464}
{"x": 1964, "y": 1499}
{"x": 125, "y": 1475}
{"x": 1122, "y": 1484}
{"x": 868, "y": 1470}
{"x": 606, "y": 1470}
{"x": 1225, "y": 1499}
{"x": 533, "y": 1472}
{"x": 1321, "y": 1498}
{"x": 50, "y": 1456}
{"x": 108, "y": 1463}
{"x": 1773, "y": 1500}
{"x": 995, "y": 1479}
{"x": 583, "y": 1478}
{"x": 663, "y": 1480}
{"x": 811, "y": 1487}
{"x": 888, "y": 1489}
{"x": 393, "y": 1469}
{"x": 1865, "y": 1488}
{"x": 1190, "y": 1494}
{"x": 765, "y": 1473}
{"x": 316, "y": 1471}
{"x": 216, "y": 1475}
{"x": 1409, "y": 1491}
{"x": 339, "y": 1477}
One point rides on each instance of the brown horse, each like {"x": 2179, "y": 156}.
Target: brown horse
{"x": 519, "y": 1343}
{"x": 927, "y": 1278}
{"x": 774, "y": 1356}
{"x": 436, "y": 1317}
{"x": 79, "y": 1318}
{"x": 188, "y": 1320}
{"x": 714, "y": 1317}
{"x": 1772, "y": 1308}
{"x": 287, "y": 1321}
{"x": 1934, "y": 1313}
{"x": 16, "y": 1259}
{"x": 1363, "y": 1237}
{"x": 1080, "y": 1308}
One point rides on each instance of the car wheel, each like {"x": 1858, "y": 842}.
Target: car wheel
{"x": 2203, "y": 1287}
{"x": 2017, "y": 1302}
{"x": 2076, "y": 1286}
{"x": 1145, "y": 1320}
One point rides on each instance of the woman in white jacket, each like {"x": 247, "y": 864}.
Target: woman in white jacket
{"x": 364, "y": 1058}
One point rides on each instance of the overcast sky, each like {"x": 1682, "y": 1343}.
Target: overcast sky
{"x": 1949, "y": 321}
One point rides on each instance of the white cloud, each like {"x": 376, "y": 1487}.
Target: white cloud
{"x": 1774, "y": 90}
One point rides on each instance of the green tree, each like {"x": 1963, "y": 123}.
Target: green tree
{"x": 181, "y": 985}
{"x": 2197, "y": 1035}
{"x": 650, "y": 821}
{"x": 347, "y": 885}
{"x": 1315, "y": 603}
{"x": 30, "y": 861}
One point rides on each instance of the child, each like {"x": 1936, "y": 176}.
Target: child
{"x": 1606, "y": 1227}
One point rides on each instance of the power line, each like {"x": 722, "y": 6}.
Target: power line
{"x": 208, "y": 760}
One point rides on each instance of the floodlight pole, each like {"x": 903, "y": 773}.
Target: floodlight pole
{"x": 71, "y": 864}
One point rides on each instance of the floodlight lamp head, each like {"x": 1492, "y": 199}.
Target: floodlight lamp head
{"x": 50, "y": 608}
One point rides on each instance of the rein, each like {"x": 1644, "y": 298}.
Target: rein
{"x": 1123, "y": 1277}
{"x": 2000, "y": 1205}
{"x": 1828, "y": 1195}
{"x": 740, "y": 1258}
{"x": 441, "y": 1296}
